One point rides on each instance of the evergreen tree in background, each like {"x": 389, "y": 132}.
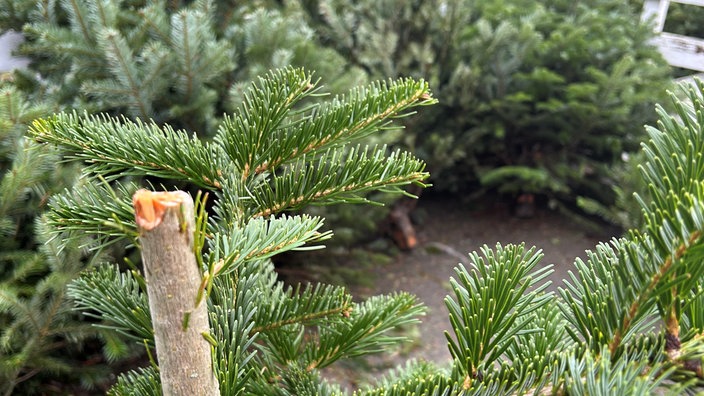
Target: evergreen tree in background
{"x": 181, "y": 63}
{"x": 173, "y": 62}
{"x": 538, "y": 97}
{"x": 41, "y": 335}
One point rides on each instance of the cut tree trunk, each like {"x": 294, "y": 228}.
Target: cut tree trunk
{"x": 166, "y": 224}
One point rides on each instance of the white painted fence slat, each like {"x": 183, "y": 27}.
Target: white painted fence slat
{"x": 656, "y": 10}
{"x": 681, "y": 51}
{"x": 678, "y": 50}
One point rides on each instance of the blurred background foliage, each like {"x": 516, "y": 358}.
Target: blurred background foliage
{"x": 539, "y": 98}
{"x": 546, "y": 98}
{"x": 536, "y": 97}
{"x": 684, "y": 19}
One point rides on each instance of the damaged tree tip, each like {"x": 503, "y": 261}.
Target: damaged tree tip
{"x": 150, "y": 206}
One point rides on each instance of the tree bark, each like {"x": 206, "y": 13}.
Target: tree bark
{"x": 166, "y": 223}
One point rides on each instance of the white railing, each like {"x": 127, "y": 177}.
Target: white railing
{"x": 678, "y": 50}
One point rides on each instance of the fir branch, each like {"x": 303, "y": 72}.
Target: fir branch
{"x": 201, "y": 58}
{"x": 16, "y": 111}
{"x": 262, "y": 238}
{"x": 121, "y": 62}
{"x": 79, "y": 21}
{"x": 246, "y": 136}
{"x": 64, "y": 44}
{"x": 307, "y": 306}
{"x": 29, "y": 168}
{"x": 186, "y": 40}
{"x": 675, "y": 153}
{"x": 674, "y": 219}
{"x": 298, "y": 381}
{"x": 671, "y": 321}
{"x": 33, "y": 264}
{"x": 344, "y": 119}
{"x": 40, "y": 326}
{"x": 142, "y": 149}
{"x": 140, "y": 382}
{"x": 489, "y": 303}
{"x": 102, "y": 14}
{"x": 230, "y": 203}
{"x": 11, "y": 302}
{"x": 604, "y": 374}
{"x": 338, "y": 176}
{"x": 653, "y": 268}
{"x": 365, "y": 331}
{"x": 154, "y": 21}
{"x": 116, "y": 299}
{"x": 689, "y": 357}
{"x": 232, "y": 320}
{"x": 530, "y": 360}
{"x": 617, "y": 290}
{"x": 413, "y": 378}
{"x": 155, "y": 60}
{"x": 98, "y": 210}
{"x": 595, "y": 303}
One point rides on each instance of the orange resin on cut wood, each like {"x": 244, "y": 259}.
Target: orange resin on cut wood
{"x": 150, "y": 206}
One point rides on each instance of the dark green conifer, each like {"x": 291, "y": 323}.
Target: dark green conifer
{"x": 538, "y": 97}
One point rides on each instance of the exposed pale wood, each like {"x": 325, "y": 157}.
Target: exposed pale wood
{"x": 650, "y": 10}
{"x": 166, "y": 224}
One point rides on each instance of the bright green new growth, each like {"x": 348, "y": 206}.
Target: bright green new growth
{"x": 276, "y": 153}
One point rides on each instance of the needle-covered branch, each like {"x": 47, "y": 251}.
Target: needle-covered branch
{"x": 95, "y": 209}
{"x": 260, "y": 137}
{"x": 367, "y": 329}
{"x": 338, "y": 175}
{"x": 309, "y": 305}
{"x": 118, "y": 299}
{"x": 114, "y": 148}
{"x": 263, "y": 238}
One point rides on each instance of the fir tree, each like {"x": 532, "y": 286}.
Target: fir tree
{"x": 599, "y": 334}
{"x": 185, "y": 63}
{"x": 277, "y": 153}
